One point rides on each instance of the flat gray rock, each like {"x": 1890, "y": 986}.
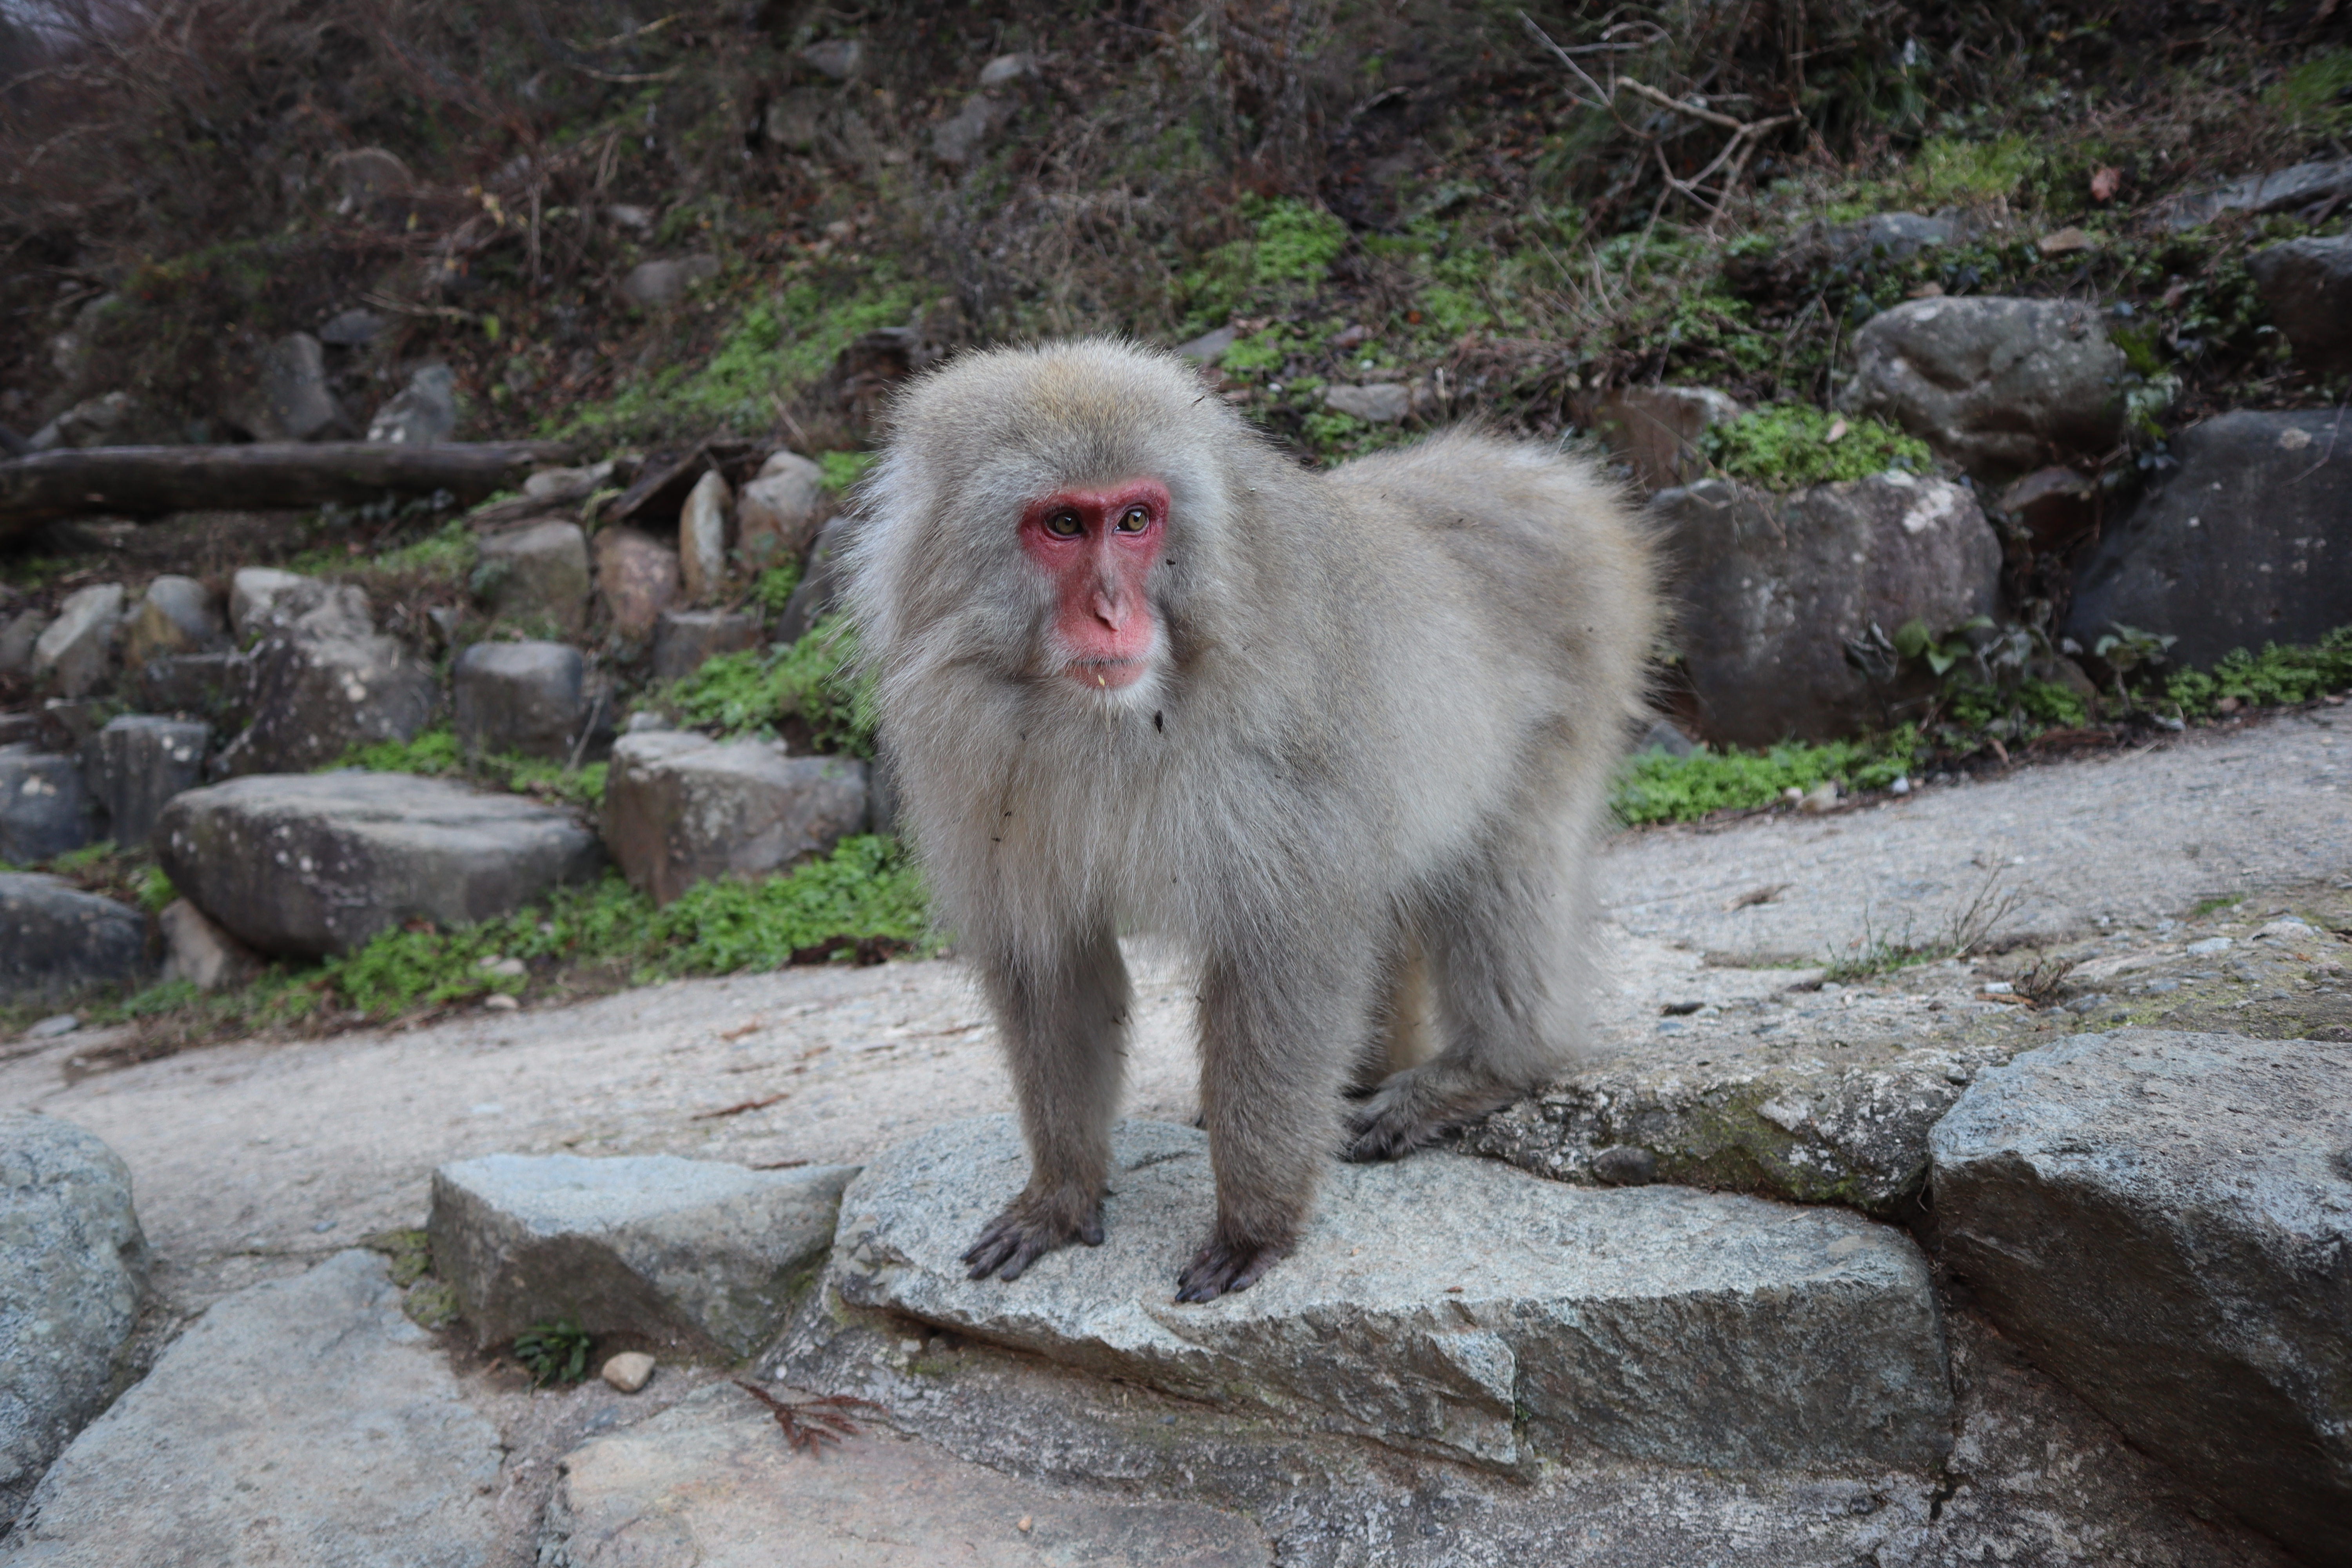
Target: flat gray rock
{"x": 316, "y": 863}
{"x": 682, "y": 809}
{"x": 303, "y": 1421}
{"x": 703, "y": 1256}
{"x": 73, "y": 1267}
{"x": 1657, "y": 1323}
{"x": 711, "y": 1483}
{"x": 2164, "y": 1222}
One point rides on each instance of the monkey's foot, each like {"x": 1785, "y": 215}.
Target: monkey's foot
{"x": 1029, "y": 1229}
{"x": 1223, "y": 1267}
{"x": 1412, "y": 1108}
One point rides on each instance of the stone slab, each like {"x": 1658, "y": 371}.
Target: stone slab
{"x": 318, "y": 863}
{"x": 2164, "y": 1222}
{"x": 711, "y": 1483}
{"x": 303, "y": 1421}
{"x": 73, "y": 1269}
{"x": 1657, "y": 1323}
{"x": 697, "y": 1254}
{"x": 55, "y": 939}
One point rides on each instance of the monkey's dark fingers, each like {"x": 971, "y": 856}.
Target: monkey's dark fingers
{"x": 1015, "y": 1238}
{"x": 1223, "y": 1267}
{"x": 1386, "y": 1130}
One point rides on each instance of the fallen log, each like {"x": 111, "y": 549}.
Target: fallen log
{"x": 145, "y": 480}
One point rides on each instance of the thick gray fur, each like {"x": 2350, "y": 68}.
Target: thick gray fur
{"x": 1361, "y": 783}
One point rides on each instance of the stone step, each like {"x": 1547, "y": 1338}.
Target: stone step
{"x": 1448, "y": 1305}
{"x": 2163, "y": 1222}
{"x": 712, "y": 1483}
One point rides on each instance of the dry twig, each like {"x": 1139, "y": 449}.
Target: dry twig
{"x": 811, "y": 1424}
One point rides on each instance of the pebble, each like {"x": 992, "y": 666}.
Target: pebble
{"x": 501, "y": 1003}
{"x": 2288, "y": 927}
{"x": 497, "y": 965}
{"x": 51, "y": 1028}
{"x": 2211, "y": 944}
{"x": 1822, "y": 797}
{"x": 629, "y": 1371}
{"x": 1900, "y": 787}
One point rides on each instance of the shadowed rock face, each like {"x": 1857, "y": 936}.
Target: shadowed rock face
{"x": 1658, "y": 1322}
{"x": 680, "y": 808}
{"x": 318, "y": 863}
{"x": 1770, "y": 591}
{"x": 55, "y": 941}
{"x": 2307, "y": 284}
{"x": 2248, "y": 541}
{"x": 2164, "y": 1222}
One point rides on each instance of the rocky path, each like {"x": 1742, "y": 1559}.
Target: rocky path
{"x": 255, "y": 1161}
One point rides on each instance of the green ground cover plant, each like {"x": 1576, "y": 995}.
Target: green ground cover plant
{"x": 816, "y": 682}
{"x": 1656, "y": 787}
{"x": 436, "y": 753}
{"x": 1791, "y": 445}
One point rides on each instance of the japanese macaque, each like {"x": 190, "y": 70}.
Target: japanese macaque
{"x": 1345, "y": 738}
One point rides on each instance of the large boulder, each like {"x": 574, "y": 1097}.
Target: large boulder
{"x": 175, "y": 616}
{"x": 695, "y": 1254}
{"x": 318, "y": 863}
{"x": 525, "y": 697}
{"x": 73, "y": 1269}
{"x": 1772, "y": 590}
{"x": 780, "y": 511}
{"x": 636, "y": 578}
{"x": 304, "y": 1420}
{"x": 55, "y": 940}
{"x": 685, "y": 640}
{"x": 2164, "y": 1223}
{"x": 1660, "y": 1324}
{"x": 1998, "y": 385}
{"x": 2307, "y": 284}
{"x": 537, "y": 576}
{"x": 2249, "y": 540}
{"x": 76, "y": 653}
{"x": 682, "y": 809}
{"x": 325, "y": 684}
{"x": 137, "y": 763}
{"x": 45, "y": 805}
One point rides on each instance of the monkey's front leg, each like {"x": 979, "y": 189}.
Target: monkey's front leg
{"x": 1276, "y": 1041}
{"x": 1064, "y": 1019}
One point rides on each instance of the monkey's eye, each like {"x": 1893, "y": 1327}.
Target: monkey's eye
{"x": 1065, "y": 525}
{"x": 1134, "y": 519}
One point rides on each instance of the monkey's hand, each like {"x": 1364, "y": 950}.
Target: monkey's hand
{"x": 1414, "y": 1106}
{"x": 1032, "y": 1226}
{"x": 1226, "y": 1266}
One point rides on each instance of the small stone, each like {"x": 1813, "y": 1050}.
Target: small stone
{"x": 293, "y": 403}
{"x": 702, "y": 529}
{"x": 686, "y": 639}
{"x": 1625, "y": 1166}
{"x": 495, "y": 964}
{"x": 520, "y": 697}
{"x": 637, "y": 577}
{"x": 2064, "y": 241}
{"x": 76, "y": 653}
{"x": 1822, "y": 797}
{"x": 175, "y": 616}
{"x": 200, "y": 952}
{"x": 1381, "y": 402}
{"x": 680, "y": 808}
{"x": 365, "y": 174}
{"x": 51, "y": 1028}
{"x": 1900, "y": 787}
{"x": 960, "y": 138}
{"x": 779, "y": 513}
{"x": 536, "y": 577}
{"x": 1656, "y": 430}
{"x": 651, "y": 285}
{"x": 500, "y": 1002}
{"x": 1006, "y": 69}
{"x": 2210, "y": 945}
{"x": 421, "y": 413}
{"x": 629, "y": 1371}
{"x": 350, "y": 329}
{"x": 840, "y": 58}
{"x": 1209, "y": 347}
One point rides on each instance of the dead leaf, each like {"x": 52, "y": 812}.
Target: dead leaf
{"x": 2064, "y": 241}
{"x": 1837, "y": 431}
{"x": 740, "y": 1030}
{"x": 1755, "y": 896}
{"x": 2104, "y": 184}
{"x": 735, "y": 1109}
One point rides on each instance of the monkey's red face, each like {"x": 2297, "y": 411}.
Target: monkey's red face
{"x": 1099, "y": 546}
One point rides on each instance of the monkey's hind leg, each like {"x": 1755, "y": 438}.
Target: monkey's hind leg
{"x": 1510, "y": 973}
{"x": 1064, "y": 1027}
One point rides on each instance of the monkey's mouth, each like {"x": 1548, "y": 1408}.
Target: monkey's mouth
{"x": 1106, "y": 674}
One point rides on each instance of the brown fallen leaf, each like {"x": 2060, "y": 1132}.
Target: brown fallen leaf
{"x": 2106, "y": 182}
{"x": 1755, "y": 896}
{"x": 740, "y": 1030}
